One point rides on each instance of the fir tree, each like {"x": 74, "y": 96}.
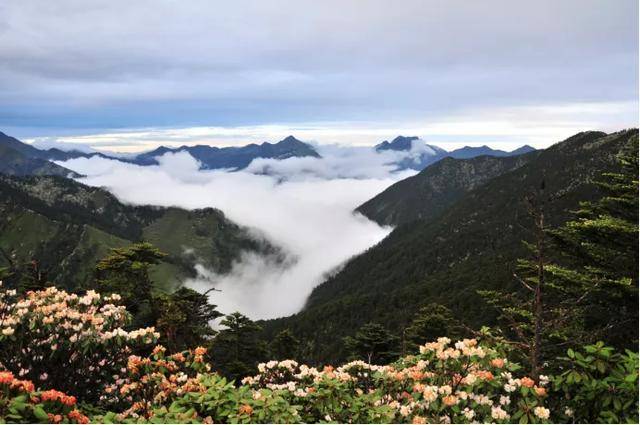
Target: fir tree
{"x": 430, "y": 322}
{"x": 126, "y": 272}
{"x": 285, "y": 345}
{"x": 236, "y": 350}
{"x": 184, "y": 318}
{"x": 599, "y": 253}
{"x": 373, "y": 343}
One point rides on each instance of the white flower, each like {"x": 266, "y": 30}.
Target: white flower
{"x": 405, "y": 410}
{"x": 541, "y": 412}
{"x": 468, "y": 413}
{"x": 568, "y": 411}
{"x": 509, "y": 388}
{"x": 8, "y": 331}
{"x": 498, "y": 414}
{"x": 505, "y": 400}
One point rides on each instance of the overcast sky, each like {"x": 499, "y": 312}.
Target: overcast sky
{"x": 129, "y": 75}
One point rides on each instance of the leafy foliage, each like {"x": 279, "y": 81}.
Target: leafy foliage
{"x": 599, "y": 385}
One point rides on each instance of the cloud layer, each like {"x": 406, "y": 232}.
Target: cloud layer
{"x": 306, "y": 209}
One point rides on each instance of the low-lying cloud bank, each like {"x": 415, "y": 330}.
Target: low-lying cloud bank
{"x": 305, "y": 207}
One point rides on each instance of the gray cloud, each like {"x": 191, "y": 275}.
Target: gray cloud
{"x": 108, "y": 64}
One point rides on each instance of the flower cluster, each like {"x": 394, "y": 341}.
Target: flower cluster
{"x": 148, "y": 382}
{"x": 446, "y": 383}
{"x": 55, "y": 336}
{"x": 23, "y": 404}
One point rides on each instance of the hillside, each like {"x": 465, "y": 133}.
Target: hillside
{"x": 67, "y": 226}
{"x": 471, "y": 245}
{"x": 428, "y": 193}
{"x": 20, "y": 159}
{"x": 472, "y": 152}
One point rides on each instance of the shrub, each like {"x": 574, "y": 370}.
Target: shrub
{"x": 465, "y": 382}
{"x": 598, "y": 385}
{"x": 75, "y": 343}
{"x": 19, "y": 403}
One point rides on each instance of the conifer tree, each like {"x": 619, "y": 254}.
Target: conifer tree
{"x": 125, "y": 271}
{"x": 237, "y": 349}
{"x": 373, "y": 343}
{"x": 598, "y": 270}
{"x": 430, "y": 322}
{"x": 184, "y": 318}
{"x": 285, "y": 345}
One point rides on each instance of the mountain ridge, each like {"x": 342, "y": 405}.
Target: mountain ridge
{"x": 473, "y": 244}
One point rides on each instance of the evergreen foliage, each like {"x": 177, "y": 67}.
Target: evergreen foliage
{"x": 237, "y": 349}
{"x": 184, "y": 318}
{"x": 373, "y": 343}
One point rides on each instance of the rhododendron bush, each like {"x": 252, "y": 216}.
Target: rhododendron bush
{"x": 461, "y": 382}
{"x": 20, "y": 403}
{"x": 75, "y": 341}
{"x": 57, "y": 346}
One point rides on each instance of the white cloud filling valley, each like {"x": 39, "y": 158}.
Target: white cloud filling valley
{"x": 304, "y": 206}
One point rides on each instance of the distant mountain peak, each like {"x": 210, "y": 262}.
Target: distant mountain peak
{"x": 290, "y": 139}
{"x": 400, "y": 143}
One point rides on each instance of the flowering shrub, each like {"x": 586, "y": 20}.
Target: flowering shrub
{"x": 464, "y": 382}
{"x": 76, "y": 342}
{"x": 19, "y": 403}
{"x": 460, "y": 383}
{"x": 155, "y": 381}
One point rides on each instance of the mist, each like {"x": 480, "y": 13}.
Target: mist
{"x": 305, "y": 208}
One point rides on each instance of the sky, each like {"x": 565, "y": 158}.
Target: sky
{"x": 128, "y": 76}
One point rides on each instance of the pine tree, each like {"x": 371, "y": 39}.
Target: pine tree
{"x": 599, "y": 253}
{"x": 184, "y": 318}
{"x": 527, "y": 312}
{"x": 430, "y": 322}
{"x": 581, "y": 281}
{"x": 237, "y": 350}
{"x": 373, "y": 343}
{"x": 125, "y": 271}
{"x": 285, "y": 345}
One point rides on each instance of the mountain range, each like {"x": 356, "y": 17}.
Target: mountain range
{"x": 460, "y": 229}
{"x": 23, "y": 159}
{"x": 421, "y": 154}
{"x": 210, "y": 157}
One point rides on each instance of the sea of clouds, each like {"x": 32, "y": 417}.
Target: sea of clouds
{"x": 302, "y": 205}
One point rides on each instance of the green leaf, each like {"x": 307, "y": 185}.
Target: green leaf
{"x": 40, "y": 414}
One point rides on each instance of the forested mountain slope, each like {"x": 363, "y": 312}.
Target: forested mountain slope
{"x": 67, "y": 227}
{"x": 428, "y": 193}
{"x": 471, "y": 245}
